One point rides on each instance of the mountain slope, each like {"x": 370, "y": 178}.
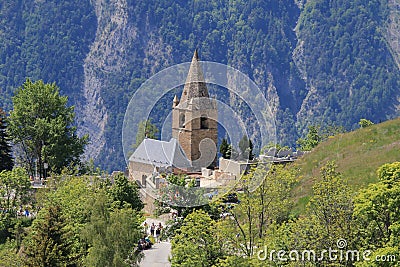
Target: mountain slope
{"x": 358, "y": 155}
{"x": 331, "y": 62}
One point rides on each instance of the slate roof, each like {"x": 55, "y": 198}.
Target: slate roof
{"x": 161, "y": 154}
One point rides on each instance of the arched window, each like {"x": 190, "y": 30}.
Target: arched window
{"x": 182, "y": 120}
{"x": 203, "y": 122}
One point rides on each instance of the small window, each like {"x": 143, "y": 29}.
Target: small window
{"x": 144, "y": 177}
{"x": 203, "y": 122}
{"x": 182, "y": 120}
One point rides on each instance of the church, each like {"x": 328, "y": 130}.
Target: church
{"x": 193, "y": 145}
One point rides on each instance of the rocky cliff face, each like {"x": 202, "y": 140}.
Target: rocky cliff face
{"x": 106, "y": 57}
{"x": 393, "y": 37}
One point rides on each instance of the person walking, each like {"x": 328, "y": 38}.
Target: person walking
{"x": 152, "y": 229}
{"x": 158, "y": 232}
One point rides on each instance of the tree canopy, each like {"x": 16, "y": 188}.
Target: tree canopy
{"x": 42, "y": 125}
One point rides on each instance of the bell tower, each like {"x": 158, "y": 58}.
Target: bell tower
{"x": 195, "y": 119}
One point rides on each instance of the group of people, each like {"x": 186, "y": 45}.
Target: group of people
{"x": 144, "y": 243}
{"x": 154, "y": 231}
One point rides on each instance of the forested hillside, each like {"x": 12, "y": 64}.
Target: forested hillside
{"x": 317, "y": 62}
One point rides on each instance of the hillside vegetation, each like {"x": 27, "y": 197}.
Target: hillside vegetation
{"x": 358, "y": 154}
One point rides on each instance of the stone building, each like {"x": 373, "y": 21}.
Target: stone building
{"x": 194, "y": 134}
{"x": 153, "y": 157}
{"x": 195, "y": 119}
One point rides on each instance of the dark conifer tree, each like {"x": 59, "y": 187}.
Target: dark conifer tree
{"x": 6, "y": 160}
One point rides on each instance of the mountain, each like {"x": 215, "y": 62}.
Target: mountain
{"x": 316, "y": 61}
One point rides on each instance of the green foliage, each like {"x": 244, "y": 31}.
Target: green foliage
{"x": 180, "y": 180}
{"x": 248, "y": 221}
{"x": 124, "y": 192}
{"x": 327, "y": 219}
{"x": 196, "y": 243}
{"x": 246, "y": 148}
{"x": 331, "y": 206}
{"x": 15, "y": 193}
{"x": 278, "y": 147}
{"x": 376, "y": 210}
{"x": 6, "y": 160}
{"x": 9, "y": 255}
{"x": 45, "y": 244}
{"x": 312, "y": 139}
{"x": 365, "y": 123}
{"x": 14, "y": 189}
{"x": 346, "y": 39}
{"x": 112, "y": 235}
{"x": 80, "y": 224}
{"x": 41, "y": 123}
{"x": 225, "y": 149}
{"x": 146, "y": 129}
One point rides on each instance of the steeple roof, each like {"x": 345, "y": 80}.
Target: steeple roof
{"x": 195, "y": 85}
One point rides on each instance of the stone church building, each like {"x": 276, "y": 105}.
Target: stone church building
{"x": 194, "y": 135}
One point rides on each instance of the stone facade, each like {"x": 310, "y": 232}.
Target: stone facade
{"x": 195, "y": 120}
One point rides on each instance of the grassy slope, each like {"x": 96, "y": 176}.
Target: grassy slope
{"x": 358, "y": 154}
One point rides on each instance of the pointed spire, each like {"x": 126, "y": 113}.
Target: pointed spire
{"x": 195, "y": 85}
{"x": 175, "y": 102}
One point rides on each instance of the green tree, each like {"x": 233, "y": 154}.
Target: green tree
{"x": 377, "y": 212}
{"x": 9, "y": 255}
{"x": 14, "y": 189}
{"x": 112, "y": 235}
{"x": 328, "y": 219}
{"x": 74, "y": 195}
{"x": 6, "y": 160}
{"x": 365, "y": 123}
{"x": 225, "y": 149}
{"x": 331, "y": 206}
{"x": 258, "y": 209}
{"x": 246, "y": 148}
{"x": 196, "y": 242}
{"x": 312, "y": 139}
{"x": 15, "y": 192}
{"x": 45, "y": 246}
{"x": 125, "y": 192}
{"x": 146, "y": 129}
{"x": 41, "y": 124}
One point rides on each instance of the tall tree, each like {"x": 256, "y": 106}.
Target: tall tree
{"x": 258, "y": 209}
{"x": 6, "y": 160}
{"x": 45, "y": 245}
{"x": 246, "y": 148}
{"x": 42, "y": 124}
{"x": 328, "y": 222}
{"x": 146, "y": 129}
{"x": 112, "y": 235}
{"x": 312, "y": 139}
{"x": 196, "y": 243}
{"x": 225, "y": 149}
{"x": 125, "y": 192}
